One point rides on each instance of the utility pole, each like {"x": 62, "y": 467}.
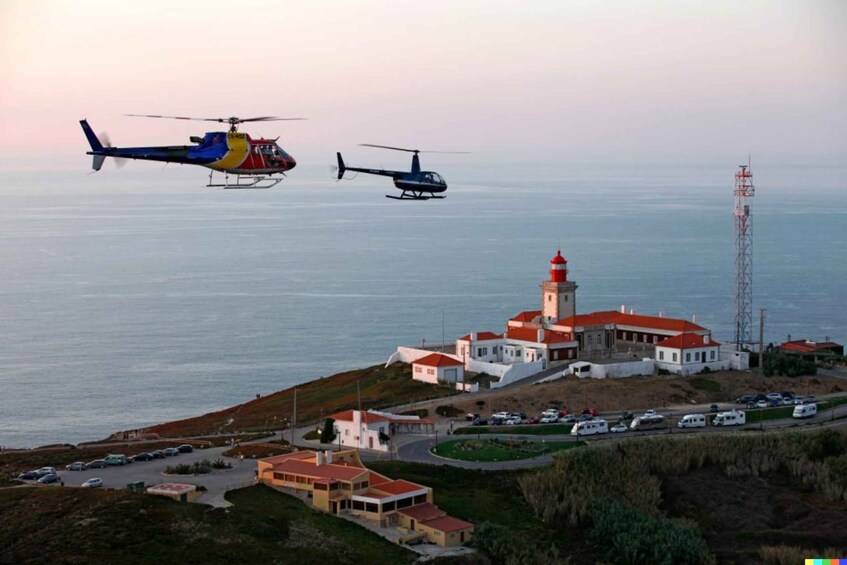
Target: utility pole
{"x": 294, "y": 417}
{"x": 761, "y": 339}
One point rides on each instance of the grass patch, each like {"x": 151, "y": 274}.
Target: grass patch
{"x": 501, "y": 449}
{"x": 704, "y": 384}
{"x": 380, "y": 387}
{"x": 530, "y": 430}
{"x": 104, "y": 526}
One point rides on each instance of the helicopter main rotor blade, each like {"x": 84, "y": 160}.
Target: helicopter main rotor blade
{"x": 412, "y": 150}
{"x": 231, "y": 120}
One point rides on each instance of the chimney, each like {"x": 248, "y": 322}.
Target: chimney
{"x": 473, "y": 336}
{"x": 328, "y": 458}
{"x": 706, "y": 339}
{"x": 540, "y": 335}
{"x": 631, "y": 311}
{"x": 623, "y": 308}
{"x": 661, "y": 314}
{"x": 694, "y": 318}
{"x": 319, "y": 458}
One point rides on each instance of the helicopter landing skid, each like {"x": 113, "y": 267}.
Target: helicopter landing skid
{"x": 245, "y": 182}
{"x": 413, "y": 196}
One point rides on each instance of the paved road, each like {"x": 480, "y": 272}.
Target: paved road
{"x": 152, "y": 473}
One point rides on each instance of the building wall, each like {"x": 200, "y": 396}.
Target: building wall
{"x": 367, "y": 437}
{"x": 688, "y": 356}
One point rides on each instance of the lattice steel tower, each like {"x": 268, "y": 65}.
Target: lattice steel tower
{"x": 743, "y": 257}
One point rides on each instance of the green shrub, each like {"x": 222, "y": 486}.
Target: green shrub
{"x": 448, "y": 411}
{"x": 513, "y": 547}
{"x": 827, "y": 443}
{"x": 628, "y": 535}
{"x": 328, "y": 432}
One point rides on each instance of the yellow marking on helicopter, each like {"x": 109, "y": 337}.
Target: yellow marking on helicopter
{"x": 239, "y": 148}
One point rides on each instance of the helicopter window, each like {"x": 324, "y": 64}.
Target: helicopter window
{"x": 437, "y": 178}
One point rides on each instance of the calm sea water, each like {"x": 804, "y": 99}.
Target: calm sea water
{"x": 134, "y": 297}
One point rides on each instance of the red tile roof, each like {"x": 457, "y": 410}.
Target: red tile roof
{"x": 804, "y": 346}
{"x": 327, "y": 471}
{"x": 285, "y": 456}
{"x": 482, "y": 336}
{"x": 374, "y": 494}
{"x": 423, "y": 512}
{"x": 398, "y": 486}
{"x": 688, "y": 341}
{"x": 377, "y": 479}
{"x": 531, "y": 335}
{"x": 437, "y": 360}
{"x": 592, "y": 319}
{"x": 447, "y": 524}
{"x": 367, "y": 417}
{"x": 656, "y": 323}
{"x": 527, "y": 316}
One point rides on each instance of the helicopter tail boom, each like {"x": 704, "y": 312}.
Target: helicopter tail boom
{"x": 97, "y": 148}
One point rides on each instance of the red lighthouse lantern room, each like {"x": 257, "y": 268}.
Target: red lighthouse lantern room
{"x": 558, "y": 268}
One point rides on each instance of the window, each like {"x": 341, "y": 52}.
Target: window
{"x": 661, "y": 355}
{"x": 566, "y": 298}
{"x": 697, "y": 356}
{"x": 549, "y": 298}
{"x": 418, "y": 370}
{"x": 624, "y": 336}
{"x": 655, "y": 339}
{"x": 712, "y": 356}
{"x": 420, "y": 499}
{"x": 389, "y": 506}
{"x": 371, "y": 507}
{"x": 687, "y": 357}
{"x": 430, "y": 371}
{"x": 358, "y": 505}
{"x": 347, "y": 431}
{"x": 674, "y": 357}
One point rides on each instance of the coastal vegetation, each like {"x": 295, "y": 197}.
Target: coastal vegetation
{"x": 496, "y": 449}
{"x": 377, "y": 386}
{"x": 55, "y": 525}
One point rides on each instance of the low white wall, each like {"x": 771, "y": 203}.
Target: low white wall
{"x": 517, "y": 372}
{"x": 694, "y": 368}
{"x": 467, "y": 387}
{"x": 738, "y": 360}
{"x": 621, "y": 370}
{"x": 411, "y": 354}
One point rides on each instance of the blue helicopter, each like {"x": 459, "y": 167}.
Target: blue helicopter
{"x": 415, "y": 184}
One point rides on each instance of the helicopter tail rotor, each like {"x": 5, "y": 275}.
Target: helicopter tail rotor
{"x": 341, "y": 167}
{"x": 107, "y": 143}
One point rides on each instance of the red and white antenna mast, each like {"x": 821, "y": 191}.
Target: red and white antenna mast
{"x": 743, "y": 257}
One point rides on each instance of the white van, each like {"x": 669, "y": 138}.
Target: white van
{"x": 805, "y": 411}
{"x": 692, "y": 421}
{"x": 732, "y": 418}
{"x": 590, "y": 427}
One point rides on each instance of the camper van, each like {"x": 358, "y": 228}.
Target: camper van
{"x": 692, "y": 421}
{"x": 805, "y": 411}
{"x": 732, "y": 418}
{"x": 653, "y": 422}
{"x": 116, "y": 460}
{"x": 590, "y": 427}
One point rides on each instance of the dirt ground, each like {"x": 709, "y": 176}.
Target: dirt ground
{"x": 640, "y": 393}
{"x": 740, "y": 515}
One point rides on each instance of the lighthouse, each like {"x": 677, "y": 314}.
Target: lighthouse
{"x": 558, "y": 295}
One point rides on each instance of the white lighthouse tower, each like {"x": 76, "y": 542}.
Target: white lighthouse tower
{"x": 558, "y": 295}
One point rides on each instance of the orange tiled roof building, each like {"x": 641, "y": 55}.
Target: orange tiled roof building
{"x": 338, "y": 482}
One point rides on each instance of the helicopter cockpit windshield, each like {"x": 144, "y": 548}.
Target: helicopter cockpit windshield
{"x": 434, "y": 178}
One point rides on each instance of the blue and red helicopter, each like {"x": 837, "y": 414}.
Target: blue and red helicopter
{"x": 254, "y": 162}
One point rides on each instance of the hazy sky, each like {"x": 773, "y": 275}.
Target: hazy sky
{"x": 637, "y": 81}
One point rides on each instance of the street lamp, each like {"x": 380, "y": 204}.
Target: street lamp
{"x": 435, "y": 449}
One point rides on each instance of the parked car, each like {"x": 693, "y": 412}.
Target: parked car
{"x": 76, "y": 466}
{"x": 774, "y": 396}
{"x": 787, "y": 394}
{"x": 520, "y": 415}
{"x": 142, "y": 457}
{"x": 185, "y": 448}
{"x": 49, "y": 478}
{"x": 116, "y": 459}
{"x": 650, "y": 412}
{"x": 550, "y": 412}
{"x": 568, "y": 419}
{"x": 714, "y": 408}
{"x": 170, "y": 451}
{"x": 744, "y": 399}
{"x": 532, "y": 420}
{"x": 30, "y": 476}
{"x": 549, "y": 419}
{"x": 47, "y": 471}
{"x": 618, "y": 428}
{"x": 786, "y": 401}
{"x": 627, "y": 416}
{"x": 501, "y": 415}
{"x": 471, "y": 417}
{"x": 97, "y": 464}
{"x": 759, "y": 396}
{"x": 513, "y": 421}
{"x": 479, "y": 422}
{"x": 92, "y": 483}
{"x": 762, "y": 404}
{"x": 157, "y": 454}
{"x": 586, "y": 417}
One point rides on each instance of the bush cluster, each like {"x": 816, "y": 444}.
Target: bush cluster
{"x": 789, "y": 365}
{"x": 511, "y": 546}
{"x": 197, "y": 468}
{"x": 628, "y": 535}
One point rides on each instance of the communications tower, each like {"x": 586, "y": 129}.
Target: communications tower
{"x": 743, "y": 257}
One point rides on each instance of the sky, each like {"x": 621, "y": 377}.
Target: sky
{"x": 537, "y": 81}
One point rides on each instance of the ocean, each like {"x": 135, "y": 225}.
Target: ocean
{"x": 133, "y": 297}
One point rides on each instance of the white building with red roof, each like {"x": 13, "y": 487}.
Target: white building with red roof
{"x": 438, "y": 368}
{"x": 373, "y": 430}
{"x": 689, "y": 353}
{"x": 338, "y": 483}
